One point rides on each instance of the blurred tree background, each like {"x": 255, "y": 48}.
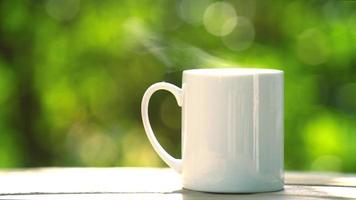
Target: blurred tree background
{"x": 72, "y": 74}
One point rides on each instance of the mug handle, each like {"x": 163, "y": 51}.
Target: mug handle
{"x": 174, "y": 163}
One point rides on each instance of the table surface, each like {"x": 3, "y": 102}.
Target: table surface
{"x": 154, "y": 183}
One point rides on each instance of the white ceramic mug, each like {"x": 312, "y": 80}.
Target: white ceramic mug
{"x": 232, "y": 129}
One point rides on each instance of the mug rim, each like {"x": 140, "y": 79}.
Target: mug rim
{"x": 238, "y": 71}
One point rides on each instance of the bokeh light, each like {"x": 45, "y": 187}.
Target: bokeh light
{"x": 192, "y": 12}
{"x": 352, "y": 25}
{"x": 63, "y": 10}
{"x": 242, "y": 35}
{"x": 220, "y": 18}
{"x": 322, "y": 136}
{"x": 312, "y": 47}
{"x": 327, "y": 163}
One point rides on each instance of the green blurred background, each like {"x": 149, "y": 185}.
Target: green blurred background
{"x": 72, "y": 74}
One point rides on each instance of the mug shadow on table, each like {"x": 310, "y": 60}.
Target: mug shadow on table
{"x": 289, "y": 192}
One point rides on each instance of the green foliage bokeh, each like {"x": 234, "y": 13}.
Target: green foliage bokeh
{"x": 72, "y": 74}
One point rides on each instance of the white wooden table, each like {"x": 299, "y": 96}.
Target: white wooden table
{"x": 154, "y": 183}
